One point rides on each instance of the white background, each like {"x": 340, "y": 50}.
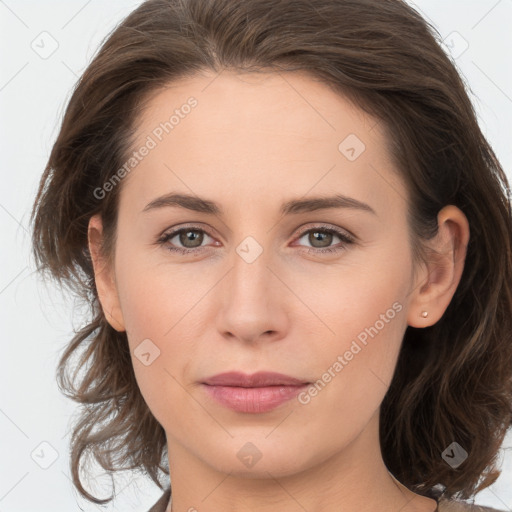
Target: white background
{"x": 37, "y": 321}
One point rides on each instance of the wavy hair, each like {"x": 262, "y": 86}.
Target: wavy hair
{"x": 453, "y": 379}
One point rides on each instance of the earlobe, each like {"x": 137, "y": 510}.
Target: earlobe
{"x": 435, "y": 287}
{"x": 103, "y": 276}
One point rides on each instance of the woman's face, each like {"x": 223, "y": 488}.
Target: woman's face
{"x": 304, "y": 268}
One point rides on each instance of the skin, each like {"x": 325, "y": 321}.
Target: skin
{"x": 253, "y": 142}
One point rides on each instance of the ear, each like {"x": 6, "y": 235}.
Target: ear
{"x": 436, "y": 283}
{"x": 104, "y": 276}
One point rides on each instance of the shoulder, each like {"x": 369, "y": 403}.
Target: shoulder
{"x": 461, "y": 506}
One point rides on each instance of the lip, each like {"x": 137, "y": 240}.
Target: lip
{"x": 259, "y": 379}
{"x": 256, "y": 393}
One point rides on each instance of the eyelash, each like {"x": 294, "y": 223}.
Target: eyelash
{"x": 345, "y": 238}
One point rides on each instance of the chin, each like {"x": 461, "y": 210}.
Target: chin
{"x": 255, "y": 457}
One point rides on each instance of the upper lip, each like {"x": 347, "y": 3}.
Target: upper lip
{"x": 259, "y": 379}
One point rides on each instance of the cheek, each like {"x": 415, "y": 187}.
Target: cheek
{"x": 155, "y": 312}
{"x": 156, "y": 297}
{"x": 161, "y": 350}
{"x": 364, "y": 311}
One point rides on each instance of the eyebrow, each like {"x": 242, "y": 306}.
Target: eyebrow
{"x": 295, "y": 206}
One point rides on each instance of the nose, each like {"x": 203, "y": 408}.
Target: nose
{"x": 252, "y": 303}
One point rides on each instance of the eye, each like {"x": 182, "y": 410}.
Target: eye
{"x": 321, "y": 238}
{"x": 191, "y": 239}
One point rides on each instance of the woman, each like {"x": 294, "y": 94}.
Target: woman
{"x": 295, "y": 242}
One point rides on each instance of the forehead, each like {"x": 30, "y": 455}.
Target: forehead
{"x": 256, "y": 133}
{"x": 291, "y": 104}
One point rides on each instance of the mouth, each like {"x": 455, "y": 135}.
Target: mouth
{"x": 257, "y": 393}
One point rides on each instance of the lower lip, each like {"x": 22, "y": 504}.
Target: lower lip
{"x": 253, "y": 400}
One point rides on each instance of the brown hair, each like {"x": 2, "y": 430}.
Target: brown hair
{"x": 453, "y": 379}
